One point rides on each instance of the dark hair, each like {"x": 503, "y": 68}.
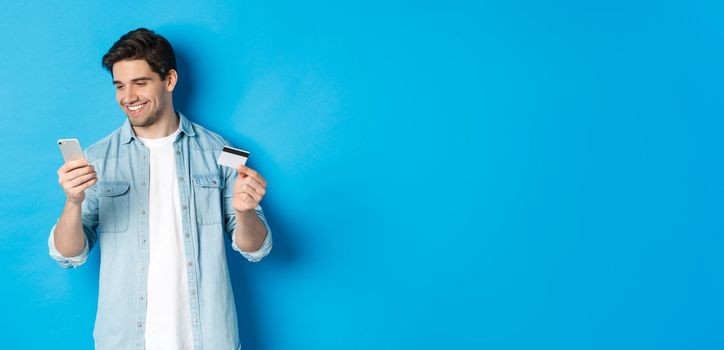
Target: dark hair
{"x": 142, "y": 44}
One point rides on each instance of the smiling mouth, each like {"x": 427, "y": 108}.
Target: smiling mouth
{"x": 135, "y": 109}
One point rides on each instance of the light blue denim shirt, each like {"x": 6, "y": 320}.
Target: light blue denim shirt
{"x": 114, "y": 215}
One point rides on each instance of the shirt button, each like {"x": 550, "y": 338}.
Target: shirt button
{"x": 141, "y": 298}
{"x": 140, "y": 325}
{"x": 190, "y": 264}
{"x": 178, "y": 153}
{"x": 144, "y": 241}
{"x": 184, "y": 206}
{"x": 143, "y": 183}
{"x": 143, "y": 212}
{"x": 187, "y": 235}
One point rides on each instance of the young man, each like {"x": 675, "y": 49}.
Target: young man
{"x": 153, "y": 198}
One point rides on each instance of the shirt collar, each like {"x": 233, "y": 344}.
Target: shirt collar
{"x": 185, "y": 125}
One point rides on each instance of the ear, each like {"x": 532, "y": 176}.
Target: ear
{"x": 171, "y": 79}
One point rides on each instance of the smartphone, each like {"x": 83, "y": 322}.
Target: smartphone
{"x": 70, "y": 148}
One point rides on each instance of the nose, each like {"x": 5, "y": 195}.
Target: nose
{"x": 129, "y": 96}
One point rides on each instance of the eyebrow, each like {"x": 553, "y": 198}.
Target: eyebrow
{"x": 133, "y": 81}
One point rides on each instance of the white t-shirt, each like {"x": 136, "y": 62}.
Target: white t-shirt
{"x": 168, "y": 320}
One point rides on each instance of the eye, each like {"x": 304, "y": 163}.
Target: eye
{"x": 119, "y": 87}
{"x": 141, "y": 84}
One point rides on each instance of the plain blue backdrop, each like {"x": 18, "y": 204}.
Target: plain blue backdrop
{"x": 442, "y": 175}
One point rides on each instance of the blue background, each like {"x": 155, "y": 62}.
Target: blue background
{"x": 452, "y": 175}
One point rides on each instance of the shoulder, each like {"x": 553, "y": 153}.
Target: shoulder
{"x": 208, "y": 140}
{"x": 107, "y": 147}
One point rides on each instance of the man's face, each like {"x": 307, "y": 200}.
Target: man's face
{"x": 141, "y": 92}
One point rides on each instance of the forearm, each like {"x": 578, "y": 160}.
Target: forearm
{"x": 68, "y": 236}
{"x": 250, "y": 231}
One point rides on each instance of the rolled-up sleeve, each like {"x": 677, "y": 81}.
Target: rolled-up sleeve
{"x": 265, "y": 248}
{"x": 65, "y": 261}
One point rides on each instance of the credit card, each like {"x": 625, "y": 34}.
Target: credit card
{"x": 232, "y": 157}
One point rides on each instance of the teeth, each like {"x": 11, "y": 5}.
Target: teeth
{"x": 135, "y": 108}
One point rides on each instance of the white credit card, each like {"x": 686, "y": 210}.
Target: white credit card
{"x": 232, "y": 157}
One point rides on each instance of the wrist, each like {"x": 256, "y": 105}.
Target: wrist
{"x": 245, "y": 212}
{"x": 73, "y": 204}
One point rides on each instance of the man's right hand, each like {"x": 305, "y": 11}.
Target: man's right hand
{"x": 75, "y": 177}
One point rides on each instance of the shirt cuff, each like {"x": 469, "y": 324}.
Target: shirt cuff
{"x": 263, "y": 251}
{"x": 64, "y": 261}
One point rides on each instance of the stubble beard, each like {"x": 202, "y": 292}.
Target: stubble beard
{"x": 152, "y": 118}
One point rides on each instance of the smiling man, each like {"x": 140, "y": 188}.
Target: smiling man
{"x": 152, "y": 197}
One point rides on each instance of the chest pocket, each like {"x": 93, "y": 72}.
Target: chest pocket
{"x": 113, "y": 206}
{"x": 207, "y": 189}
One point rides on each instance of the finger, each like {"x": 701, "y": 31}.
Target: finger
{"x": 253, "y": 199}
{"x": 238, "y": 183}
{"x": 254, "y": 184}
{"x": 84, "y": 186}
{"x": 74, "y": 164}
{"x": 81, "y": 180}
{"x": 76, "y": 191}
{"x": 246, "y": 199}
{"x": 253, "y": 173}
{"x": 251, "y": 193}
{"x": 70, "y": 174}
{"x": 79, "y": 172}
{"x": 240, "y": 174}
{"x": 63, "y": 178}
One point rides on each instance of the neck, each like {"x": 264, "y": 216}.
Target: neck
{"x": 166, "y": 125}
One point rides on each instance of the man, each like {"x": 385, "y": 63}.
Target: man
{"x": 153, "y": 198}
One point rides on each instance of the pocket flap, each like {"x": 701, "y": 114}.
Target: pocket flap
{"x": 210, "y": 180}
{"x": 112, "y": 189}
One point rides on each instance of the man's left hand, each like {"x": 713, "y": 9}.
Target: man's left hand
{"x": 249, "y": 189}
